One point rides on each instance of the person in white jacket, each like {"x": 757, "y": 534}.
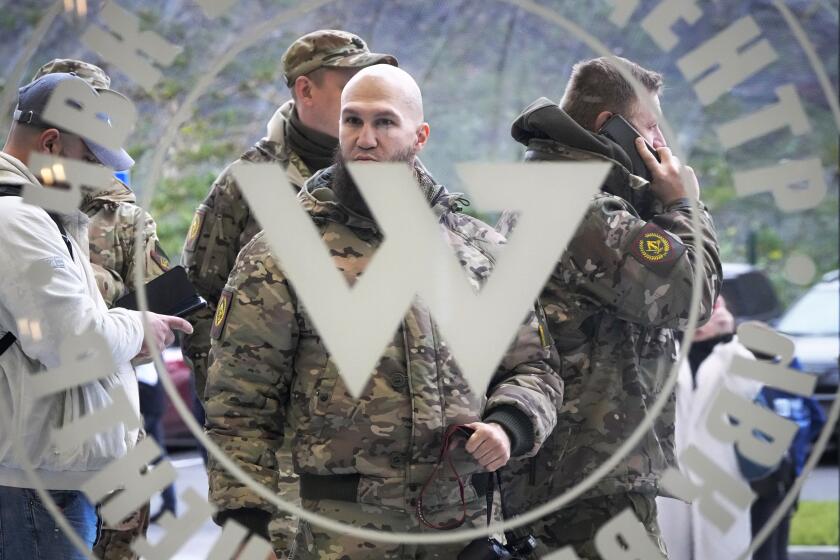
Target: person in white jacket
{"x": 49, "y": 307}
{"x": 688, "y": 534}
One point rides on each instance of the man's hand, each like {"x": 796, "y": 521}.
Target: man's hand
{"x": 161, "y": 328}
{"x": 671, "y": 180}
{"x": 489, "y": 445}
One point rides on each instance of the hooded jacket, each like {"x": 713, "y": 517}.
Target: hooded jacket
{"x": 44, "y": 321}
{"x": 271, "y": 376}
{"x": 620, "y": 288}
{"x": 222, "y": 225}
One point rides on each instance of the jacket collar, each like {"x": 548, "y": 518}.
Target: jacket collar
{"x": 319, "y": 200}
{"x": 543, "y": 126}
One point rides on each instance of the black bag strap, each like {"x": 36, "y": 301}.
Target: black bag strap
{"x": 491, "y": 487}
{"x": 496, "y": 480}
{"x": 6, "y": 342}
{"x": 10, "y": 190}
{"x": 64, "y": 235}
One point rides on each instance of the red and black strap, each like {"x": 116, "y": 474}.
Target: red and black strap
{"x": 449, "y": 442}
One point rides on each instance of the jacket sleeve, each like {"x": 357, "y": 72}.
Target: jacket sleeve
{"x": 210, "y": 250}
{"x": 115, "y": 272}
{"x": 155, "y": 260}
{"x": 643, "y": 272}
{"x": 255, "y": 336}
{"x": 62, "y": 307}
{"x": 109, "y": 283}
{"x": 527, "y": 390}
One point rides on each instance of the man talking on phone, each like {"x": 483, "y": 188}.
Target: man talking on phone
{"x": 613, "y": 302}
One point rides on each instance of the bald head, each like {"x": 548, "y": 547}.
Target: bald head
{"x": 382, "y": 116}
{"x": 383, "y": 82}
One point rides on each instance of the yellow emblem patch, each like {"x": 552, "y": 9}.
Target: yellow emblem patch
{"x": 220, "y": 318}
{"x": 160, "y": 257}
{"x": 654, "y": 247}
{"x": 195, "y": 230}
{"x": 220, "y": 313}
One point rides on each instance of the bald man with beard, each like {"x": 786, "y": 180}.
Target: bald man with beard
{"x": 365, "y": 462}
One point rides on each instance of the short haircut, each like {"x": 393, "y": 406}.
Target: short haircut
{"x": 596, "y": 85}
{"x": 316, "y": 76}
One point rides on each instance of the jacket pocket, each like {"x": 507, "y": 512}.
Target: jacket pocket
{"x": 209, "y": 251}
{"x": 322, "y": 395}
{"x": 334, "y": 409}
{"x": 97, "y": 449}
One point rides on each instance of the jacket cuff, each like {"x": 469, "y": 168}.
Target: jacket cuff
{"x": 680, "y": 204}
{"x": 254, "y": 519}
{"x": 516, "y": 424}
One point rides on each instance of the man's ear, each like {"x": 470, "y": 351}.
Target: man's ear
{"x": 49, "y": 141}
{"x": 303, "y": 90}
{"x": 602, "y": 117}
{"x": 423, "y": 132}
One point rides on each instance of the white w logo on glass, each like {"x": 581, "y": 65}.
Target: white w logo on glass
{"x": 356, "y": 323}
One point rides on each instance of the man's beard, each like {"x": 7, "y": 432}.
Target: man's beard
{"x": 345, "y": 187}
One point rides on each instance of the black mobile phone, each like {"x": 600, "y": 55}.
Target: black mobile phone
{"x": 171, "y": 293}
{"x": 622, "y": 133}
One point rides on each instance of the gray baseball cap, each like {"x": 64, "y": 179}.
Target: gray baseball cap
{"x": 33, "y": 98}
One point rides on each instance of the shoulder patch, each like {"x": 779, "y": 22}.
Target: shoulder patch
{"x": 159, "y": 256}
{"x": 222, "y": 310}
{"x": 195, "y": 229}
{"x": 656, "y": 249}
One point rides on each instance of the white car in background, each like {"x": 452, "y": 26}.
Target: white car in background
{"x": 813, "y": 322}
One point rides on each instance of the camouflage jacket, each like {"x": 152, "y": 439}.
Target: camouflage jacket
{"x": 270, "y": 372}
{"x": 114, "y": 219}
{"x": 222, "y": 225}
{"x": 620, "y": 288}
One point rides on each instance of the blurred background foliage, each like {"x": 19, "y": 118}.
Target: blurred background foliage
{"x": 478, "y": 62}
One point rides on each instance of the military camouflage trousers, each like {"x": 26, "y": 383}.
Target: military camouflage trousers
{"x": 576, "y": 524}
{"x": 115, "y": 542}
{"x": 313, "y": 542}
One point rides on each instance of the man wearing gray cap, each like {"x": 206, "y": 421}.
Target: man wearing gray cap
{"x": 115, "y": 218}
{"x": 49, "y": 298}
{"x": 302, "y": 138}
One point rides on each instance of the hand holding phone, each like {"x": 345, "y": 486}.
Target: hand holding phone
{"x": 671, "y": 180}
{"x": 622, "y": 133}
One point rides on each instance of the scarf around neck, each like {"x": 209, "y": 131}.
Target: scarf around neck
{"x": 315, "y": 148}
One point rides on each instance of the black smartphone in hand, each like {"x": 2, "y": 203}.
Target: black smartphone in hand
{"x": 622, "y": 133}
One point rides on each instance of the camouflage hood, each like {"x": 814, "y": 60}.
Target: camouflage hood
{"x": 117, "y": 193}
{"x": 274, "y": 146}
{"x": 318, "y": 198}
{"x": 274, "y": 141}
{"x": 550, "y": 133}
